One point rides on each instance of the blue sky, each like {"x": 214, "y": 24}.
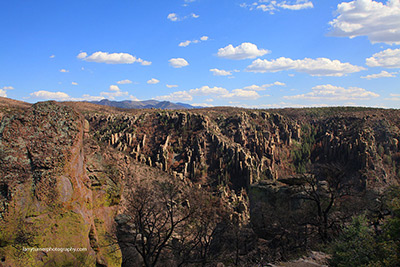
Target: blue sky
{"x": 257, "y": 54}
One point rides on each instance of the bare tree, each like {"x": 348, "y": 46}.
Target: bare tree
{"x": 194, "y": 242}
{"x": 155, "y": 210}
{"x": 324, "y": 189}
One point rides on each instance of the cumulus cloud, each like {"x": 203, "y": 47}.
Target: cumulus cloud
{"x": 61, "y": 96}
{"x": 52, "y": 56}
{"x": 124, "y": 82}
{"x": 114, "y": 92}
{"x": 380, "y": 22}
{"x": 243, "y": 51}
{"x": 272, "y": 6}
{"x": 178, "y": 62}
{"x": 113, "y": 58}
{"x": 153, "y": 81}
{"x": 176, "y": 96}
{"x": 218, "y": 72}
{"x": 335, "y": 93}
{"x": 314, "y": 67}
{"x": 74, "y": 83}
{"x": 263, "y": 87}
{"x": 171, "y": 85}
{"x": 174, "y": 17}
{"x": 114, "y": 88}
{"x": 206, "y": 90}
{"x": 185, "y": 43}
{"x": 82, "y": 55}
{"x": 3, "y": 91}
{"x": 389, "y": 58}
{"x": 64, "y": 70}
{"x": 382, "y": 74}
{"x": 188, "y": 42}
{"x": 298, "y": 6}
{"x": 242, "y": 94}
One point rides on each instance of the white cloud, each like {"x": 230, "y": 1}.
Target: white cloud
{"x": 218, "y": 92}
{"x": 3, "y": 93}
{"x": 113, "y": 58}
{"x": 178, "y": 62}
{"x": 266, "y": 8}
{"x": 298, "y": 6}
{"x": 243, "y": 51}
{"x": 394, "y": 97}
{"x": 115, "y": 92}
{"x": 314, "y": 67}
{"x": 133, "y": 98}
{"x": 188, "y": 42}
{"x": 378, "y": 21}
{"x": 389, "y": 58}
{"x": 176, "y": 97}
{"x": 174, "y": 17}
{"x": 185, "y": 43}
{"x": 218, "y": 72}
{"x": 124, "y": 82}
{"x": 74, "y": 83}
{"x": 273, "y": 6}
{"x": 82, "y": 55}
{"x": 335, "y": 93}
{"x": 206, "y": 90}
{"x": 153, "y": 81}
{"x": 64, "y": 70}
{"x": 52, "y": 56}
{"x": 61, "y": 96}
{"x": 242, "y": 94}
{"x": 263, "y": 87}
{"x": 202, "y": 105}
{"x": 171, "y": 85}
{"x": 87, "y": 97}
{"x": 114, "y": 88}
{"x": 382, "y": 74}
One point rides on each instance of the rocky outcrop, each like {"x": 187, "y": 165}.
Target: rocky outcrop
{"x": 242, "y": 148}
{"x": 46, "y": 194}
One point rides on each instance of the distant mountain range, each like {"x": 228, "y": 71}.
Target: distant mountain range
{"x": 129, "y": 104}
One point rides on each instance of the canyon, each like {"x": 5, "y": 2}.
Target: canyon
{"x": 287, "y": 177}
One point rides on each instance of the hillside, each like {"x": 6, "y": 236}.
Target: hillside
{"x": 69, "y": 171}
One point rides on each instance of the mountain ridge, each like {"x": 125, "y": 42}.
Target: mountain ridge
{"x": 145, "y": 104}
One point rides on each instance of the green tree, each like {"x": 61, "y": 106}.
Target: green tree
{"x": 356, "y": 245}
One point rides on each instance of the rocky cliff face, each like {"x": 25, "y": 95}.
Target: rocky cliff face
{"x": 47, "y": 198}
{"x": 240, "y": 148}
{"x": 64, "y": 166}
